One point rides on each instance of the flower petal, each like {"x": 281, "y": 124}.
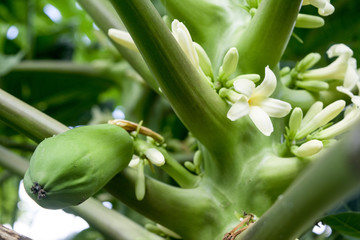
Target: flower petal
{"x": 268, "y": 85}
{"x": 238, "y": 109}
{"x": 351, "y": 76}
{"x": 356, "y": 100}
{"x": 244, "y": 86}
{"x": 339, "y": 50}
{"x": 134, "y": 161}
{"x": 345, "y": 91}
{"x": 275, "y": 107}
{"x": 261, "y": 120}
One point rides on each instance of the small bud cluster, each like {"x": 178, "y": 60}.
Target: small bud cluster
{"x": 343, "y": 71}
{"x": 307, "y": 135}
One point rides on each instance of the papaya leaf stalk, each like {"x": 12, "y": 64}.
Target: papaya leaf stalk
{"x": 267, "y": 35}
{"x": 105, "y": 17}
{"x": 198, "y": 106}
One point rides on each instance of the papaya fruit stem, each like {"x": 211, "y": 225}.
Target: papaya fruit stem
{"x": 131, "y": 126}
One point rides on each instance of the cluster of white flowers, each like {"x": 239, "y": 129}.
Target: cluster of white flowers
{"x": 305, "y": 135}
{"x": 313, "y": 130}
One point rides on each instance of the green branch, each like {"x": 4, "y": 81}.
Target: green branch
{"x": 116, "y": 225}
{"x": 105, "y": 17}
{"x": 16, "y": 164}
{"x": 26, "y": 119}
{"x": 326, "y": 182}
{"x": 267, "y": 36}
{"x": 198, "y": 106}
{"x": 112, "y": 224}
{"x": 188, "y": 212}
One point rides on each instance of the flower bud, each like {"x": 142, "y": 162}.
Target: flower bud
{"x": 322, "y": 118}
{"x": 313, "y": 110}
{"x": 229, "y": 63}
{"x": 229, "y": 95}
{"x": 252, "y": 77}
{"x": 123, "y": 38}
{"x": 295, "y": 121}
{"x": 134, "y": 161}
{"x": 313, "y": 85}
{"x": 309, "y": 21}
{"x": 351, "y": 118}
{"x": 155, "y": 156}
{"x": 308, "y": 149}
{"x": 204, "y": 60}
{"x": 307, "y": 62}
{"x": 183, "y": 37}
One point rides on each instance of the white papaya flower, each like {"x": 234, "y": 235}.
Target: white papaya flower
{"x": 325, "y": 8}
{"x": 183, "y": 37}
{"x": 255, "y": 102}
{"x": 343, "y": 68}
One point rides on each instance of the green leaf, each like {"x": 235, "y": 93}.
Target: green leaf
{"x": 345, "y": 223}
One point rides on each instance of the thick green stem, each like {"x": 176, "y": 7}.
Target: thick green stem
{"x": 183, "y": 177}
{"x": 198, "y": 106}
{"x": 26, "y": 119}
{"x": 267, "y": 36}
{"x": 189, "y": 212}
{"x": 328, "y": 181}
{"x": 116, "y": 225}
{"x": 105, "y": 18}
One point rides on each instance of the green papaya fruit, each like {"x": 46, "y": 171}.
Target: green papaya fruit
{"x": 69, "y": 168}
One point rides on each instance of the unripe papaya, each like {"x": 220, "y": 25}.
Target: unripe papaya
{"x": 69, "y": 168}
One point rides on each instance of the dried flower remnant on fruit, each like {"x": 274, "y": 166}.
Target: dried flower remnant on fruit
{"x": 38, "y": 190}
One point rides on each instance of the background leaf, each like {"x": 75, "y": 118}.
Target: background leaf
{"x": 345, "y": 223}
